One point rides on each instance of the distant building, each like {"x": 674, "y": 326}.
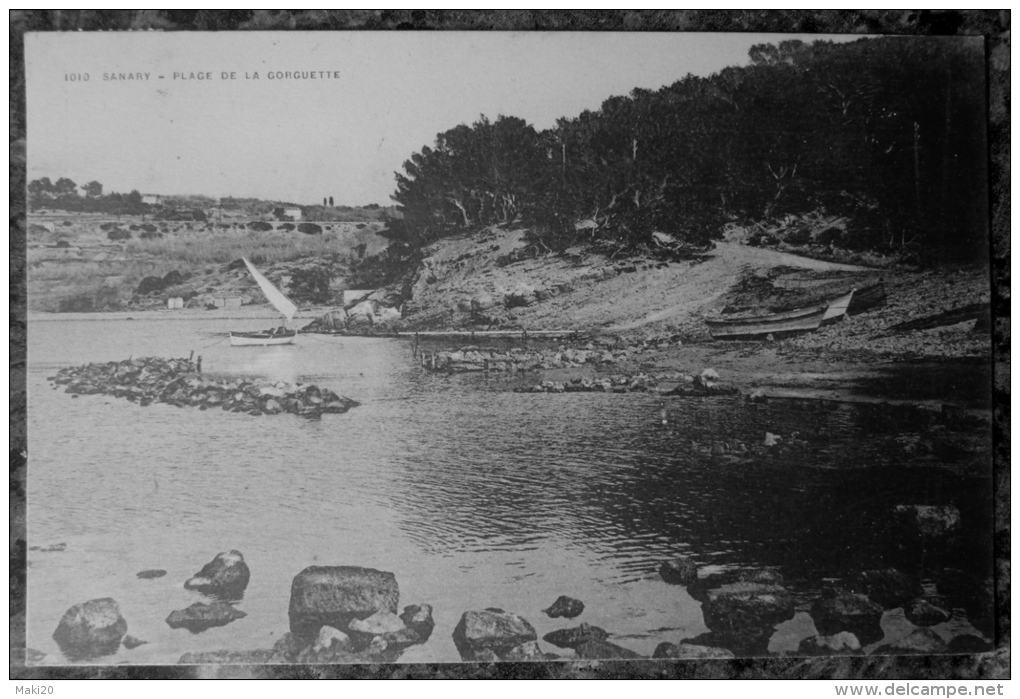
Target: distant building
{"x": 154, "y": 199}
{"x": 293, "y": 214}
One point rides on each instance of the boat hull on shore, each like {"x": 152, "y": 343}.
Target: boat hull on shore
{"x": 262, "y": 339}
{"x": 762, "y": 326}
{"x": 780, "y": 324}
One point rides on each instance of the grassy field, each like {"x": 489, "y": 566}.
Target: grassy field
{"x": 88, "y": 270}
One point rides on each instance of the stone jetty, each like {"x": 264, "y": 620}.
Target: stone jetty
{"x": 179, "y": 382}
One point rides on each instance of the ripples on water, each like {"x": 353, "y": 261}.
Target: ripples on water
{"x": 474, "y": 496}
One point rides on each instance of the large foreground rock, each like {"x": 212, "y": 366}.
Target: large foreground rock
{"x": 91, "y": 629}
{"x": 480, "y": 634}
{"x": 199, "y": 617}
{"x": 336, "y": 595}
{"x": 744, "y": 614}
{"x": 848, "y": 611}
{"x": 225, "y": 577}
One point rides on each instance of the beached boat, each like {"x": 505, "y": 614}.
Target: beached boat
{"x": 267, "y": 337}
{"x": 837, "y": 308}
{"x": 277, "y": 336}
{"x": 779, "y": 324}
{"x": 872, "y": 296}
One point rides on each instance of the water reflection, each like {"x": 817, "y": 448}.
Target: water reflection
{"x": 470, "y": 493}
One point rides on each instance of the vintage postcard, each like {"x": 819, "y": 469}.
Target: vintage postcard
{"x": 445, "y": 347}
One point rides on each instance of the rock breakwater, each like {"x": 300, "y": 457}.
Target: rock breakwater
{"x": 147, "y": 380}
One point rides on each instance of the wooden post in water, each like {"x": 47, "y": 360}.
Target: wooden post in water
{"x": 191, "y": 356}
{"x": 199, "y": 364}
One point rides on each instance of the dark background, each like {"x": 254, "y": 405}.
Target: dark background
{"x": 993, "y": 25}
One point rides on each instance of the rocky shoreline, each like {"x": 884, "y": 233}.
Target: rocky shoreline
{"x": 349, "y": 614}
{"x": 179, "y": 382}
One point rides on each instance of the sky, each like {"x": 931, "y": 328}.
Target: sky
{"x": 209, "y": 126}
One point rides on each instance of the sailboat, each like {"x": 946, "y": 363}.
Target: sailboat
{"x": 276, "y": 336}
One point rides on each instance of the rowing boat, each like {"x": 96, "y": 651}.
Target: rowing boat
{"x": 779, "y": 324}
{"x": 267, "y": 337}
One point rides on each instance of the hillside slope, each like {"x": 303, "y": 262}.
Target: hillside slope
{"x": 488, "y": 281}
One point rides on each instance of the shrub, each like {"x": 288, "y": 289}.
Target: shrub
{"x": 149, "y": 235}
{"x": 311, "y": 284}
{"x": 173, "y": 278}
{"x": 149, "y": 285}
{"x": 67, "y": 223}
{"x": 63, "y": 244}
{"x": 286, "y": 227}
{"x": 132, "y": 227}
{"x": 119, "y": 234}
{"x": 260, "y": 226}
{"x": 310, "y": 228}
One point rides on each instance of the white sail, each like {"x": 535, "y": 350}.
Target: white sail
{"x": 283, "y": 304}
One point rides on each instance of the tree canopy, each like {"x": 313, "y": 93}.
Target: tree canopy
{"x": 888, "y": 131}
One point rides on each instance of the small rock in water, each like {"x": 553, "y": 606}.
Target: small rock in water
{"x": 679, "y": 571}
{"x": 199, "y": 617}
{"x": 226, "y": 576}
{"x": 152, "y": 573}
{"x": 564, "y": 606}
{"x": 771, "y": 440}
{"x": 571, "y": 638}
{"x": 130, "y": 642}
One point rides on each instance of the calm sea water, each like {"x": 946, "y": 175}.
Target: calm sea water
{"x": 472, "y": 495}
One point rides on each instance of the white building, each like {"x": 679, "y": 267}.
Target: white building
{"x": 154, "y": 199}
{"x": 294, "y": 214}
